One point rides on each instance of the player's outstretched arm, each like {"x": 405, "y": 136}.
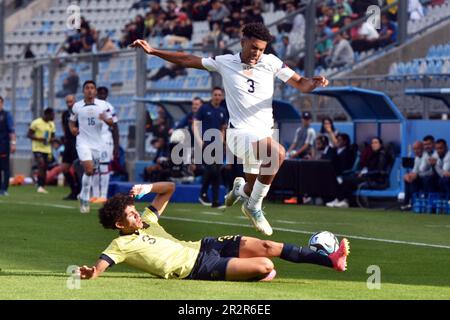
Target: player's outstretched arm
{"x": 306, "y": 85}
{"x": 180, "y": 58}
{"x": 163, "y": 190}
{"x": 93, "y": 272}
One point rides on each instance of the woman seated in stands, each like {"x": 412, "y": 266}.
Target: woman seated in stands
{"x": 373, "y": 175}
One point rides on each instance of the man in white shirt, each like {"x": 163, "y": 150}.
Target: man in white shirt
{"x": 110, "y": 136}
{"x": 248, "y": 78}
{"x": 413, "y": 181}
{"x": 426, "y": 169}
{"x": 92, "y": 115}
{"x": 442, "y": 166}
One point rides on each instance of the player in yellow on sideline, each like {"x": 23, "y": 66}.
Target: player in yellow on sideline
{"x": 144, "y": 244}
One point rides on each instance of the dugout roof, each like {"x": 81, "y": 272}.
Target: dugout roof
{"x": 442, "y": 94}
{"x": 362, "y": 104}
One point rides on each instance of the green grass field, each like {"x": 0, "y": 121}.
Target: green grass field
{"x": 41, "y": 235}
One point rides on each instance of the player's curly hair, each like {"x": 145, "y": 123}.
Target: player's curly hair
{"x": 257, "y": 30}
{"x": 114, "y": 209}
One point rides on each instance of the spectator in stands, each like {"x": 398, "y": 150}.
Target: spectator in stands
{"x": 346, "y": 155}
{"x": 156, "y": 9}
{"x": 372, "y": 176}
{"x": 149, "y": 22}
{"x": 210, "y": 116}
{"x": 232, "y": 25}
{"x": 218, "y": 13}
{"x": 157, "y": 171}
{"x": 387, "y": 33}
{"x": 200, "y": 10}
{"x": 215, "y": 37}
{"x": 342, "y": 53}
{"x": 252, "y": 15}
{"x": 367, "y": 35}
{"x": 130, "y": 34}
{"x": 442, "y": 166}
{"x": 415, "y": 10}
{"x": 327, "y": 129}
{"x": 28, "y": 53}
{"x": 345, "y": 5}
{"x": 87, "y": 40}
{"x": 84, "y": 24}
{"x": 323, "y": 48}
{"x": 304, "y": 138}
{"x": 140, "y": 26}
{"x": 352, "y": 33}
{"x": 173, "y": 10}
{"x": 107, "y": 45}
{"x": 290, "y": 53}
{"x": 339, "y": 16}
{"x": 72, "y": 44}
{"x": 413, "y": 180}
{"x": 180, "y": 30}
{"x": 7, "y": 146}
{"x": 286, "y": 25}
{"x": 70, "y": 84}
{"x": 169, "y": 69}
{"x": 42, "y": 134}
{"x": 160, "y": 127}
{"x": 392, "y": 11}
{"x": 430, "y": 178}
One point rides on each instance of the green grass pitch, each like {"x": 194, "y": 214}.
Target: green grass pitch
{"x": 41, "y": 235}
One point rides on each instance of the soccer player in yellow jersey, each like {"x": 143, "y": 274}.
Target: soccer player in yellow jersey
{"x": 143, "y": 243}
{"x": 42, "y": 134}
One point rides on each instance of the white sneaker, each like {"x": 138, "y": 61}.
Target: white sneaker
{"x": 258, "y": 219}
{"x": 332, "y": 204}
{"x": 231, "y": 198}
{"x": 341, "y": 204}
{"x": 84, "y": 207}
{"x": 41, "y": 190}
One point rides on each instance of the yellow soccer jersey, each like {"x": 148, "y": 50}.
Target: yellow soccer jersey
{"x": 153, "y": 250}
{"x": 42, "y": 129}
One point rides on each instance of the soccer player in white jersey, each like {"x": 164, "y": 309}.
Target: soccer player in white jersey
{"x": 248, "y": 78}
{"x": 110, "y": 136}
{"x": 92, "y": 115}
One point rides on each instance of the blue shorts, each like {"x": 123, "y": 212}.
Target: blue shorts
{"x": 212, "y": 260}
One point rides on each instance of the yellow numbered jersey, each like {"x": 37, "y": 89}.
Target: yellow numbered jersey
{"x": 45, "y": 130}
{"x": 153, "y": 250}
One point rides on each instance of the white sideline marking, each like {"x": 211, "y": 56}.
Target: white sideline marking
{"x": 311, "y": 232}
{"x": 211, "y": 213}
{"x": 61, "y": 206}
{"x": 248, "y": 226}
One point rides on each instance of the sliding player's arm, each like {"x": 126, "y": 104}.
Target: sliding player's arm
{"x": 306, "y": 85}
{"x": 94, "y": 271}
{"x": 163, "y": 190}
{"x": 180, "y": 58}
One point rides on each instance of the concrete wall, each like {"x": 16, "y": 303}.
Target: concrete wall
{"x": 19, "y": 18}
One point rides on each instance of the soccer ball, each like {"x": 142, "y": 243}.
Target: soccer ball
{"x": 324, "y": 242}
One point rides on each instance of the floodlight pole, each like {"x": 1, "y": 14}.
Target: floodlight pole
{"x": 2, "y": 29}
{"x": 141, "y": 112}
{"x": 310, "y": 38}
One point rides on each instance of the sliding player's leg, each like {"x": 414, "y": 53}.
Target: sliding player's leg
{"x": 253, "y": 247}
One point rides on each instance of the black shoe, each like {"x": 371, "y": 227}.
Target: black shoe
{"x": 218, "y": 206}
{"x": 203, "y": 199}
{"x": 70, "y": 197}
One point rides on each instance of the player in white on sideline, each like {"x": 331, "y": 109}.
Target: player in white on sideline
{"x": 110, "y": 136}
{"x": 248, "y": 78}
{"x": 92, "y": 115}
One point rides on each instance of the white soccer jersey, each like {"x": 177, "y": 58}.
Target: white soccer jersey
{"x": 249, "y": 89}
{"x": 89, "y": 124}
{"x": 106, "y": 132}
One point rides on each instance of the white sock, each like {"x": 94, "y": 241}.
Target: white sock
{"x": 104, "y": 184}
{"x": 240, "y": 191}
{"x": 86, "y": 183}
{"x": 96, "y": 185}
{"x": 259, "y": 192}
